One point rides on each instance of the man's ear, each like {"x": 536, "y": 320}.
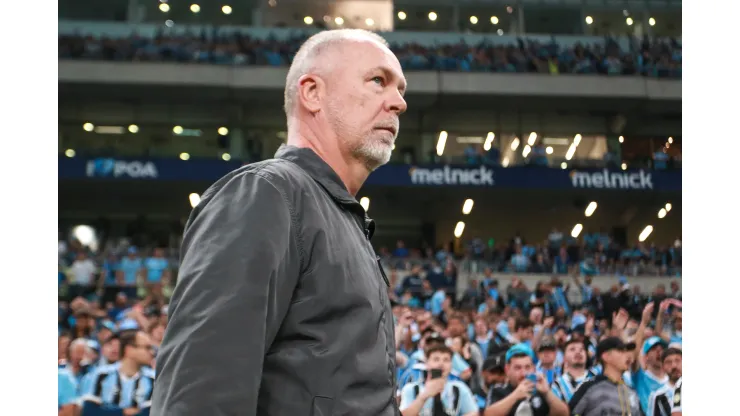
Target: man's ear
{"x": 311, "y": 90}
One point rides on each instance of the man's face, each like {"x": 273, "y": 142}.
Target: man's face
{"x": 547, "y": 357}
{"x": 575, "y": 355}
{"x": 518, "y": 368}
{"x": 455, "y": 327}
{"x": 440, "y": 361}
{"x": 141, "y": 351}
{"x": 560, "y": 337}
{"x": 77, "y": 353}
{"x": 364, "y": 99}
{"x": 617, "y": 359}
{"x": 672, "y": 365}
{"x": 493, "y": 377}
{"x": 653, "y": 356}
{"x": 480, "y": 327}
{"x": 678, "y": 323}
{"x": 525, "y": 334}
{"x": 112, "y": 350}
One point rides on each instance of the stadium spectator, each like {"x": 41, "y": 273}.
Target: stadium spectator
{"x": 650, "y": 376}
{"x": 128, "y": 384}
{"x": 67, "y": 393}
{"x": 82, "y": 275}
{"x": 660, "y": 401}
{"x": 157, "y": 268}
{"x": 521, "y": 394}
{"x": 438, "y": 395}
{"x": 129, "y": 270}
{"x": 76, "y": 362}
{"x": 574, "y": 370}
{"x": 110, "y": 351}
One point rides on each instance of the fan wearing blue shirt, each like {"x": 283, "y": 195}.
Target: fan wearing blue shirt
{"x": 67, "y": 393}
{"x": 156, "y": 266}
{"x": 438, "y": 395}
{"x": 128, "y": 271}
{"x": 651, "y": 378}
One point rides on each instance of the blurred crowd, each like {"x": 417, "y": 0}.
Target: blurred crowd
{"x": 654, "y": 58}
{"x": 489, "y": 350}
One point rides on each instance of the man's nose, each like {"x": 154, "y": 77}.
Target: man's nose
{"x": 397, "y": 104}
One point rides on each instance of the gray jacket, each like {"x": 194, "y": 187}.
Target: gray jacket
{"x": 280, "y": 308}
{"x": 600, "y": 396}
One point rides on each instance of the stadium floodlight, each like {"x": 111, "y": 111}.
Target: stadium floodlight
{"x": 624, "y": 166}
{"x": 70, "y": 153}
{"x": 515, "y": 144}
{"x": 194, "y": 199}
{"x": 184, "y": 156}
{"x": 133, "y": 128}
{"x": 467, "y": 206}
{"x": 369, "y": 22}
{"x": 459, "y": 228}
{"x": 86, "y": 235}
{"x": 494, "y": 20}
{"x": 532, "y": 138}
{"x": 226, "y": 9}
{"x": 571, "y": 151}
{"x": 662, "y": 213}
{"x": 195, "y": 8}
{"x": 226, "y": 157}
{"x": 645, "y": 233}
{"x": 668, "y": 207}
{"x": 670, "y": 140}
{"x": 432, "y": 16}
{"x": 402, "y": 15}
{"x": 339, "y": 21}
{"x": 441, "y": 143}
{"x": 576, "y": 230}
{"x": 549, "y": 150}
{"x": 621, "y": 139}
{"x": 591, "y": 208}
{"x": 651, "y": 21}
{"x": 365, "y": 203}
{"x": 489, "y": 141}
{"x": 630, "y": 21}
{"x": 589, "y": 20}
{"x": 164, "y": 7}
{"x": 308, "y": 20}
{"x": 177, "y": 129}
{"x": 526, "y": 150}
{"x": 505, "y": 162}
{"x": 577, "y": 139}
{"x": 563, "y": 165}
{"x": 474, "y": 20}
{"x": 88, "y": 127}
{"x": 223, "y": 131}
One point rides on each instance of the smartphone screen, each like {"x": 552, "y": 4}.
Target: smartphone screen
{"x": 436, "y": 373}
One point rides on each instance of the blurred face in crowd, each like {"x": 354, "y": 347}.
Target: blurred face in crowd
{"x": 493, "y": 377}
{"x": 673, "y": 366}
{"x": 157, "y": 334}
{"x": 525, "y": 334}
{"x": 536, "y": 315}
{"x": 111, "y": 350}
{"x": 547, "y": 357}
{"x": 141, "y": 352}
{"x": 457, "y": 344}
{"x": 616, "y": 359}
{"x": 518, "y": 368}
{"x": 456, "y": 326}
{"x": 62, "y": 346}
{"x": 560, "y": 337}
{"x": 678, "y": 321}
{"x": 660, "y": 290}
{"x": 103, "y": 334}
{"x": 653, "y": 357}
{"x": 440, "y": 361}
{"x": 575, "y": 355}
{"x": 77, "y": 353}
{"x": 481, "y": 329}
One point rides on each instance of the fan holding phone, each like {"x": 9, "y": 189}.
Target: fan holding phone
{"x": 437, "y": 394}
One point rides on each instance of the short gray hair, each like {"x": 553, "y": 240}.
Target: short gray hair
{"x": 305, "y": 59}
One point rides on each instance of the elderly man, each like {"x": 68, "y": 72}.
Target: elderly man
{"x": 281, "y": 307}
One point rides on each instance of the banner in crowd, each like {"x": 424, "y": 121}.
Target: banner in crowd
{"x": 390, "y": 175}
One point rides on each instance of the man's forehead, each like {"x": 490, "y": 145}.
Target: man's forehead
{"x": 375, "y": 55}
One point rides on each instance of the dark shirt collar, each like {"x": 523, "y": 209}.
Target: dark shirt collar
{"x": 322, "y": 173}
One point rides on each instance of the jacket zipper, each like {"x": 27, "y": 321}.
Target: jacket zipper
{"x": 382, "y": 272}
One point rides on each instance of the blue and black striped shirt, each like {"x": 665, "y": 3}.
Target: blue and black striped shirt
{"x": 106, "y": 385}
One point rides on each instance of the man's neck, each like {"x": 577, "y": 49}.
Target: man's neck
{"x": 576, "y": 372}
{"x": 352, "y": 173}
{"x": 129, "y": 368}
{"x": 613, "y": 374}
{"x": 546, "y": 366}
{"x": 656, "y": 371}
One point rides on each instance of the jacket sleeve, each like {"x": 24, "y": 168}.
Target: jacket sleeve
{"x": 240, "y": 265}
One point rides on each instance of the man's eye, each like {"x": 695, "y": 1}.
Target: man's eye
{"x": 379, "y": 80}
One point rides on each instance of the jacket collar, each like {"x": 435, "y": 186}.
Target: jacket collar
{"x": 322, "y": 173}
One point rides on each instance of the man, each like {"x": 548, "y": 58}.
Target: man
{"x": 127, "y": 384}
{"x": 676, "y": 409}
{"x": 281, "y": 306}
{"x": 660, "y": 401}
{"x": 494, "y": 376}
{"x": 523, "y": 331}
{"x": 650, "y": 377}
{"x": 606, "y": 393}
{"x": 574, "y": 370}
{"x": 520, "y": 395}
{"x": 67, "y": 393}
{"x": 128, "y": 272}
{"x": 546, "y": 357}
{"x": 438, "y": 396}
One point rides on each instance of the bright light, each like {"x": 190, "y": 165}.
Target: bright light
{"x": 85, "y": 234}
{"x": 432, "y": 16}
{"x": 401, "y": 16}
{"x": 591, "y": 208}
{"x": 169, "y": 23}
{"x": 339, "y": 21}
{"x": 505, "y": 162}
{"x": 133, "y": 128}
{"x": 177, "y": 129}
{"x": 668, "y": 207}
{"x": 184, "y": 156}
{"x": 226, "y": 10}
{"x": 645, "y": 233}
{"x": 369, "y": 21}
{"x": 308, "y": 20}
{"x": 532, "y": 138}
{"x": 365, "y": 202}
{"x": 194, "y": 199}
{"x": 489, "y": 141}
{"x": 459, "y": 228}
{"x": 441, "y": 143}
{"x": 88, "y": 127}
{"x": 549, "y": 150}
{"x": 576, "y": 230}
{"x": 526, "y": 150}
{"x": 630, "y": 21}
{"x": 589, "y": 20}
{"x": 563, "y": 165}
{"x": 624, "y": 166}
{"x": 571, "y": 151}
{"x": 226, "y": 157}
{"x": 164, "y": 7}
{"x": 70, "y": 153}
{"x": 662, "y": 213}
{"x": 223, "y": 131}
{"x": 621, "y": 139}
{"x": 494, "y": 20}
{"x": 194, "y": 8}
{"x": 670, "y": 140}
{"x": 577, "y": 139}
{"x": 474, "y": 19}
{"x": 500, "y": 32}
{"x": 515, "y": 144}
{"x": 467, "y": 206}
{"x": 651, "y": 21}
